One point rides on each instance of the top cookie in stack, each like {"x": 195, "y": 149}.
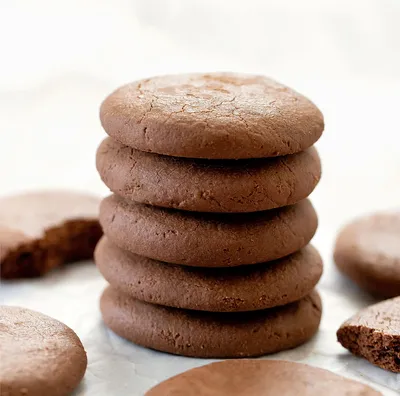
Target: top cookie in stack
{"x": 212, "y": 116}
{"x": 233, "y": 153}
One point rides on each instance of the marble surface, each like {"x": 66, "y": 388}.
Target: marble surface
{"x": 59, "y": 60}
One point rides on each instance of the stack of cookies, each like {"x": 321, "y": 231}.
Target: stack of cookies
{"x": 206, "y": 235}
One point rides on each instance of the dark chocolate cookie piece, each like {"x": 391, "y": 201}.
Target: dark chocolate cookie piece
{"x": 42, "y": 230}
{"x": 374, "y": 334}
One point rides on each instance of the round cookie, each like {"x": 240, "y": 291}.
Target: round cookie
{"x": 253, "y": 377}
{"x": 244, "y": 288}
{"x": 368, "y": 252}
{"x": 207, "y": 239}
{"x": 41, "y": 230}
{"x": 39, "y": 355}
{"x": 207, "y": 334}
{"x": 374, "y": 334}
{"x": 204, "y": 185}
{"x": 214, "y": 116}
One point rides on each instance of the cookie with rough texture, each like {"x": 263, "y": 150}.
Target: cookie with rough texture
{"x": 253, "y": 377}
{"x": 368, "y": 252}
{"x": 39, "y": 355}
{"x": 374, "y": 334}
{"x": 207, "y": 239}
{"x": 215, "y": 116}
{"x": 204, "y": 185}
{"x": 208, "y": 334}
{"x": 42, "y": 230}
{"x": 244, "y": 288}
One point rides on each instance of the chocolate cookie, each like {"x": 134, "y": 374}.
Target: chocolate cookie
{"x": 39, "y": 355}
{"x": 374, "y": 334}
{"x": 252, "y": 377}
{"x": 10, "y": 239}
{"x": 216, "y": 115}
{"x": 207, "y": 239}
{"x": 368, "y": 252}
{"x": 42, "y": 230}
{"x": 207, "y": 334}
{"x": 244, "y": 288}
{"x": 208, "y": 186}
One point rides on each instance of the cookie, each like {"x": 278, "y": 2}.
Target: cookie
{"x": 207, "y": 334}
{"x": 214, "y": 116}
{"x": 368, "y": 252}
{"x": 10, "y": 239}
{"x": 207, "y": 239}
{"x": 208, "y": 186}
{"x": 244, "y": 288}
{"x": 253, "y": 377}
{"x": 42, "y": 230}
{"x": 374, "y": 334}
{"x": 39, "y": 355}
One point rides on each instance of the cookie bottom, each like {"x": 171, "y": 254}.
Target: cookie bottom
{"x": 211, "y": 335}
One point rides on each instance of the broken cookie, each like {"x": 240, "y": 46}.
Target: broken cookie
{"x": 374, "y": 334}
{"x": 42, "y": 230}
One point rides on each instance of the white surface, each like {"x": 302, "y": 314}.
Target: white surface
{"x": 60, "y": 58}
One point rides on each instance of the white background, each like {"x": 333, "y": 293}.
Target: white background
{"x": 59, "y": 59}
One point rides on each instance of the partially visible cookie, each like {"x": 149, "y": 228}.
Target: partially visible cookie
{"x": 207, "y": 186}
{"x": 374, "y": 334}
{"x": 244, "y": 288}
{"x": 214, "y": 116}
{"x": 10, "y": 239}
{"x": 42, "y": 230}
{"x": 207, "y": 239}
{"x": 207, "y": 334}
{"x": 39, "y": 355}
{"x": 252, "y": 377}
{"x": 368, "y": 251}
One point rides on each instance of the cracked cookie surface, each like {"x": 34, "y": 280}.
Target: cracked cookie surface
{"x": 214, "y": 116}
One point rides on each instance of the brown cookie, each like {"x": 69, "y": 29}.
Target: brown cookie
{"x": 368, "y": 252}
{"x": 42, "y": 230}
{"x": 10, "y": 239}
{"x": 208, "y": 186}
{"x": 253, "y": 377}
{"x": 39, "y": 355}
{"x": 374, "y": 334}
{"x": 207, "y": 334}
{"x": 216, "y": 115}
{"x": 207, "y": 239}
{"x": 244, "y": 288}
